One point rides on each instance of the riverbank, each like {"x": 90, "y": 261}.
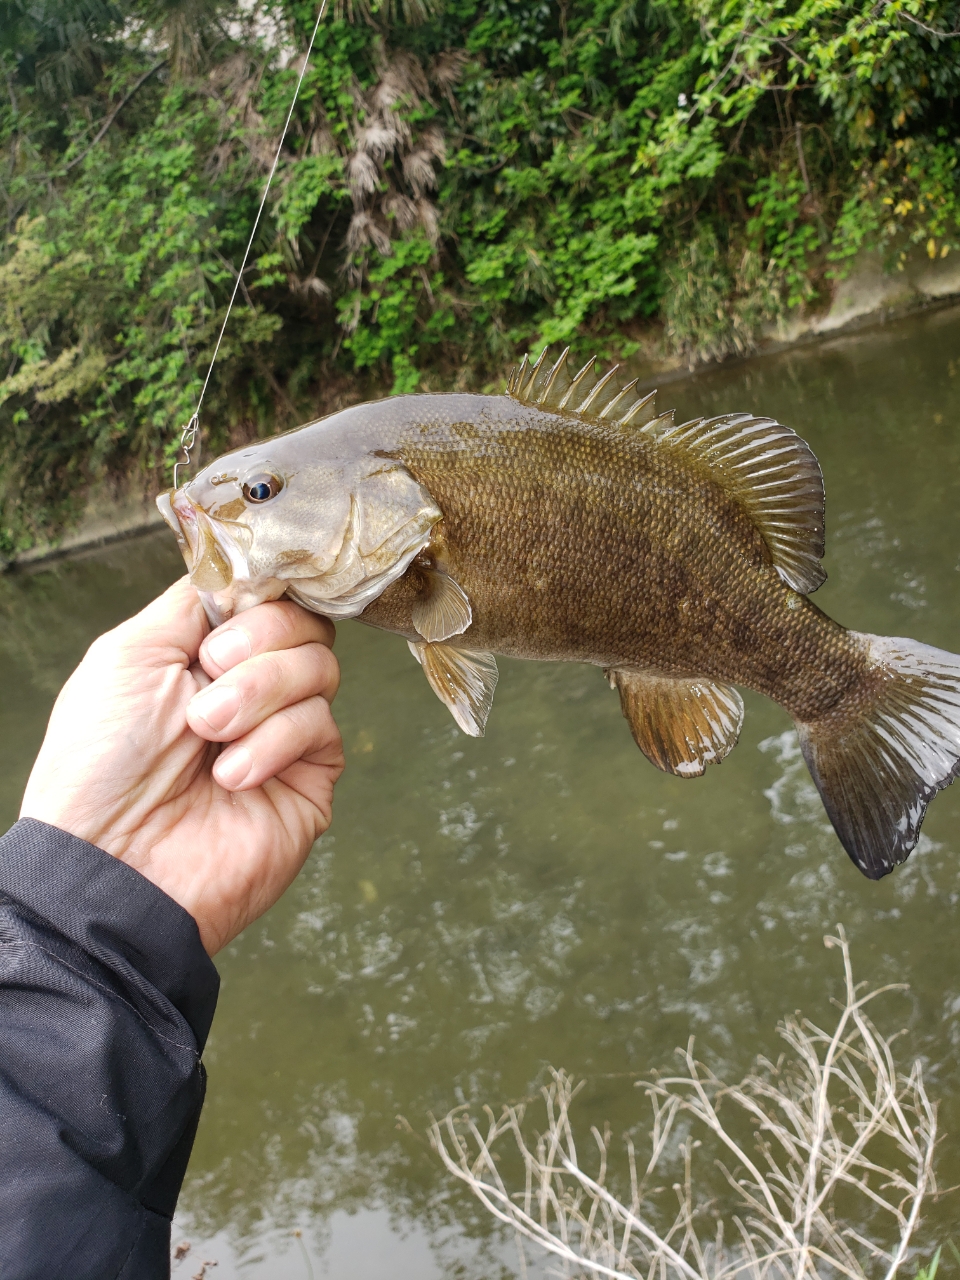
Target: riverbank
{"x": 866, "y": 298}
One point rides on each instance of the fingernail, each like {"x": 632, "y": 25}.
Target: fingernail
{"x": 228, "y": 648}
{"x": 233, "y": 766}
{"x": 217, "y": 706}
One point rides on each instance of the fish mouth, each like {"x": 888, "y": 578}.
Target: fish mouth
{"x": 214, "y": 553}
{"x": 165, "y": 507}
{"x": 209, "y": 562}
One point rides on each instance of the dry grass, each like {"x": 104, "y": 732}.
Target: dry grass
{"x": 832, "y": 1133}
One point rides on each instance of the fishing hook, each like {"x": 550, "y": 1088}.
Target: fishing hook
{"x": 188, "y": 438}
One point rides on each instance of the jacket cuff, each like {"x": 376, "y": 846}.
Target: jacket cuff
{"x": 111, "y": 911}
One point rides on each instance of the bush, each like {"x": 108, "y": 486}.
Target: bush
{"x": 827, "y": 1155}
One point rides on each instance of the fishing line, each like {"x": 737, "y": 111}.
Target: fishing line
{"x": 188, "y": 435}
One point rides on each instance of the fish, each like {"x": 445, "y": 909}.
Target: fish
{"x": 568, "y": 520}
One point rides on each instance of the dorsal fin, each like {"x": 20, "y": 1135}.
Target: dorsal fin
{"x": 771, "y": 473}
{"x": 765, "y": 467}
{"x": 552, "y": 385}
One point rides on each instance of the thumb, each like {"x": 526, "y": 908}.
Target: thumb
{"x": 169, "y": 630}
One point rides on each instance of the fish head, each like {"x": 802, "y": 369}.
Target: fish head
{"x": 325, "y": 523}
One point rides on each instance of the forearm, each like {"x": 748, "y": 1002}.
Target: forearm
{"x": 107, "y": 996}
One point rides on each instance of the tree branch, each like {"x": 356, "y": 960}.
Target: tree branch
{"x": 115, "y": 112}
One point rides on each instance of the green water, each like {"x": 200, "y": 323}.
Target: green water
{"x": 481, "y": 910}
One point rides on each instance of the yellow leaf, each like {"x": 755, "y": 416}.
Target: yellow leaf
{"x": 931, "y": 248}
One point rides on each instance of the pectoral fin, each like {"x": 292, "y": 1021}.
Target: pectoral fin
{"x": 464, "y": 681}
{"x": 442, "y": 609}
{"x": 681, "y": 725}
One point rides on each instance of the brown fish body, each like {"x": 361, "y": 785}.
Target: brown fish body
{"x": 579, "y": 542}
{"x": 566, "y": 521}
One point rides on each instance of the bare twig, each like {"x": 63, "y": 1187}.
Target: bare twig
{"x": 835, "y": 1115}
{"x": 115, "y": 112}
{"x": 931, "y": 31}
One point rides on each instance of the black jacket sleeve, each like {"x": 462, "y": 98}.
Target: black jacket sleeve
{"x": 106, "y": 998}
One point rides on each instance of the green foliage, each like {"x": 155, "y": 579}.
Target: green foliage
{"x": 463, "y": 179}
{"x": 716, "y": 300}
{"x": 929, "y": 1272}
{"x": 381, "y": 318}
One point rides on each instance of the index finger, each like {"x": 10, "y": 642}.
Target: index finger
{"x": 266, "y": 628}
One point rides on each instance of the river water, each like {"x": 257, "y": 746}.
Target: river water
{"x": 482, "y": 910}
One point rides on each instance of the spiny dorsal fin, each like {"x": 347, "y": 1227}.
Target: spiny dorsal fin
{"x": 771, "y": 473}
{"x": 680, "y": 724}
{"x": 764, "y": 466}
{"x": 552, "y": 385}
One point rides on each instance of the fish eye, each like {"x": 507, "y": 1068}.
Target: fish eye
{"x": 261, "y": 488}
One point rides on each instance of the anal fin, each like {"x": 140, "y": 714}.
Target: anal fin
{"x": 463, "y": 681}
{"x": 681, "y": 724}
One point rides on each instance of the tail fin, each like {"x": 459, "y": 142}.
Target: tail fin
{"x": 888, "y": 748}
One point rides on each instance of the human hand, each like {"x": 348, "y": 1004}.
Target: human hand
{"x": 132, "y": 760}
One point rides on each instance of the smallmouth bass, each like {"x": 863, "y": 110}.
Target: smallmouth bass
{"x": 566, "y": 520}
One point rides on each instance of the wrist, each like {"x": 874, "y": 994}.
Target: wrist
{"x": 179, "y": 879}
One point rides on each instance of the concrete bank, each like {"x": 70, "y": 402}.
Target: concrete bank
{"x": 107, "y": 518}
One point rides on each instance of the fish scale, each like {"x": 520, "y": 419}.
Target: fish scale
{"x": 568, "y": 521}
